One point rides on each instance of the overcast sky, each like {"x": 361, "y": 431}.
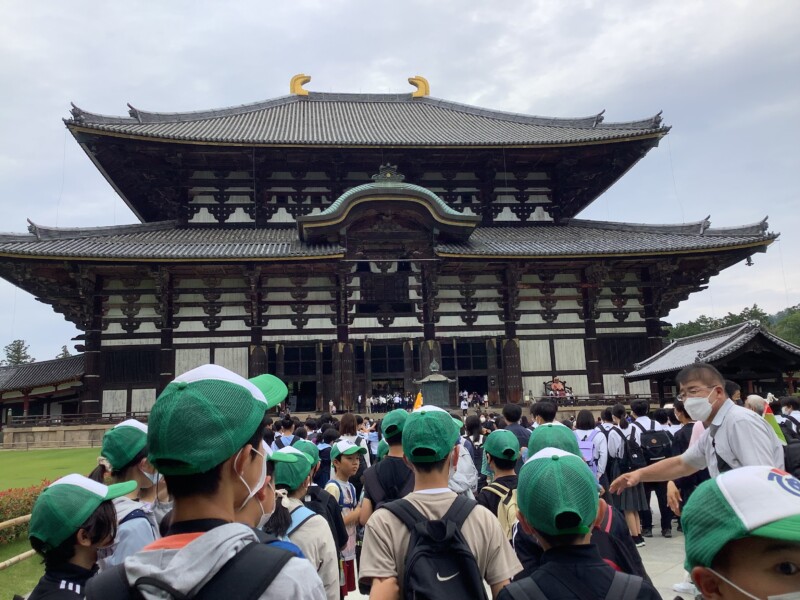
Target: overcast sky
{"x": 726, "y": 74}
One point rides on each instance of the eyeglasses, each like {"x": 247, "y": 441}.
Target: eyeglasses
{"x": 692, "y": 392}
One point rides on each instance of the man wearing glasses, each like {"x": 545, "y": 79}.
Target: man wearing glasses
{"x": 734, "y": 436}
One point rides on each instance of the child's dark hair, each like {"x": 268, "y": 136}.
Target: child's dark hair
{"x": 301, "y": 432}
{"x": 101, "y": 525}
{"x": 99, "y": 472}
{"x": 207, "y": 483}
{"x": 618, "y": 410}
{"x": 330, "y": 435}
{"x": 503, "y": 464}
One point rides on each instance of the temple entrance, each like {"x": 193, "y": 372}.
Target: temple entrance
{"x": 474, "y": 383}
{"x": 302, "y": 396}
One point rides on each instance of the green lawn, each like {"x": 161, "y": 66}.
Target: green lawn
{"x": 22, "y": 468}
{"x": 20, "y": 578}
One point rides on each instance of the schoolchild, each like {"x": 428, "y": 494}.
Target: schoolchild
{"x": 71, "y": 520}
{"x": 562, "y": 520}
{"x": 345, "y": 458}
{"x": 213, "y": 465}
{"x": 296, "y": 522}
{"x": 124, "y": 458}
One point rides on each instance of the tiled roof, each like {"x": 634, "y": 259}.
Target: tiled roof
{"x": 579, "y": 237}
{"x": 163, "y": 241}
{"x": 364, "y": 120}
{"x": 38, "y": 374}
{"x": 705, "y": 347}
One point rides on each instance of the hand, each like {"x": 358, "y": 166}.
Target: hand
{"x": 627, "y": 480}
{"x": 385, "y": 589}
{"x": 674, "y": 498}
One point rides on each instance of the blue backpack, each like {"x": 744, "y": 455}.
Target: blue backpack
{"x": 586, "y": 446}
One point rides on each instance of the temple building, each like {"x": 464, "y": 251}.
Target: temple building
{"x": 345, "y": 241}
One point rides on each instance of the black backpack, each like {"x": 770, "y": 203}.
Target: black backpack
{"x": 656, "y": 445}
{"x": 245, "y": 576}
{"x": 632, "y": 456}
{"x": 439, "y": 563}
{"x": 623, "y": 587}
{"x": 791, "y": 451}
{"x": 280, "y": 444}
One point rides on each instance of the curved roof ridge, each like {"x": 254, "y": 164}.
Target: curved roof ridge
{"x": 759, "y": 227}
{"x": 691, "y": 228}
{"x": 148, "y": 117}
{"x": 44, "y": 232}
{"x": 741, "y": 332}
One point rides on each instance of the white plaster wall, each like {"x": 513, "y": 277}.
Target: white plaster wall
{"x": 114, "y": 401}
{"x": 534, "y": 355}
{"x": 187, "y": 359}
{"x": 640, "y": 387}
{"x": 233, "y": 359}
{"x": 143, "y": 400}
{"x": 614, "y": 384}
{"x": 570, "y": 355}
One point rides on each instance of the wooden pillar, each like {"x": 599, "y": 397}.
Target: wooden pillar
{"x": 750, "y": 388}
{"x": 318, "y": 396}
{"x": 341, "y": 280}
{"x": 165, "y": 290}
{"x": 590, "y": 286}
{"x": 26, "y": 402}
{"x": 408, "y": 366}
{"x": 92, "y": 396}
{"x": 347, "y": 362}
{"x": 367, "y": 368}
{"x": 790, "y": 382}
{"x": 652, "y": 323}
{"x": 429, "y": 301}
{"x": 257, "y": 362}
{"x": 493, "y": 372}
{"x": 512, "y": 371}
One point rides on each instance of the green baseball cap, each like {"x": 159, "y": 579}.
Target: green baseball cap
{"x": 201, "y": 419}
{"x": 429, "y": 435}
{"x": 393, "y": 423}
{"x": 67, "y": 503}
{"x": 123, "y": 442}
{"x": 569, "y": 505}
{"x": 346, "y": 447}
{"x": 274, "y": 390}
{"x": 553, "y": 435}
{"x": 502, "y": 444}
{"x": 309, "y": 449}
{"x": 291, "y": 467}
{"x": 757, "y": 501}
{"x": 383, "y": 449}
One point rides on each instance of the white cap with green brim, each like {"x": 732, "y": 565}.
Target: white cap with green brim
{"x": 756, "y": 501}
{"x": 66, "y": 504}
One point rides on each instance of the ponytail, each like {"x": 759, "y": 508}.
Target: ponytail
{"x": 281, "y": 519}
{"x": 99, "y": 472}
{"x": 619, "y": 411}
{"x": 104, "y": 467}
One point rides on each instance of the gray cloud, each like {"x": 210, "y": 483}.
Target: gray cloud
{"x": 724, "y": 73}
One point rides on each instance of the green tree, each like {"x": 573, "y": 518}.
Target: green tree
{"x": 703, "y": 323}
{"x": 788, "y": 328}
{"x": 17, "y": 354}
{"x": 65, "y": 353}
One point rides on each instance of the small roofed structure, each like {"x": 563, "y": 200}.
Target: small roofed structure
{"x": 47, "y": 388}
{"x": 745, "y": 353}
{"x": 435, "y": 387}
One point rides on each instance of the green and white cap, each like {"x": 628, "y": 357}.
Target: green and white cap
{"x": 67, "y": 503}
{"x": 393, "y": 423}
{"x": 570, "y": 505}
{"x": 201, "y": 419}
{"x": 502, "y": 444}
{"x": 291, "y": 467}
{"x": 553, "y": 435}
{"x": 345, "y": 447}
{"x": 429, "y": 434}
{"x": 383, "y": 449}
{"x": 123, "y": 442}
{"x": 309, "y": 449}
{"x": 757, "y": 501}
{"x": 274, "y": 390}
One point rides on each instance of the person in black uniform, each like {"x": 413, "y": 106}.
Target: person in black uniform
{"x": 562, "y": 520}
{"x": 70, "y": 520}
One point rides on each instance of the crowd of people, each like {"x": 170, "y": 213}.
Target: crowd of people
{"x": 213, "y": 498}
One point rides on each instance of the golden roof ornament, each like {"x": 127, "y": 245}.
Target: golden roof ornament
{"x": 422, "y": 85}
{"x": 296, "y": 84}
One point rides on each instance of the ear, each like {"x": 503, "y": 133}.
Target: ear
{"x": 707, "y": 583}
{"x": 83, "y": 538}
{"x": 524, "y": 524}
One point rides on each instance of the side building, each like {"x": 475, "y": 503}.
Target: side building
{"x": 344, "y": 241}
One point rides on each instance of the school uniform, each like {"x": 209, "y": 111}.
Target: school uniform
{"x": 68, "y": 582}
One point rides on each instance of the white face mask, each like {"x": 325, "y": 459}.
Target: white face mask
{"x": 265, "y": 516}
{"x": 789, "y": 596}
{"x": 262, "y": 478}
{"x": 698, "y": 408}
{"x": 151, "y": 477}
